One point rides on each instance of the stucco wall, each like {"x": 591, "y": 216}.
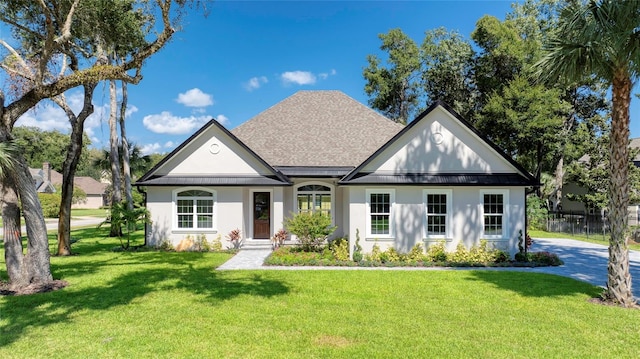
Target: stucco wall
{"x": 91, "y": 202}
{"x": 408, "y": 219}
{"x": 228, "y": 216}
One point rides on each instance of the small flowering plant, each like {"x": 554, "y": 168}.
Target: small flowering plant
{"x": 235, "y": 238}
{"x": 278, "y": 238}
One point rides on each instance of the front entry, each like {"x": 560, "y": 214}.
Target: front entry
{"x": 261, "y": 215}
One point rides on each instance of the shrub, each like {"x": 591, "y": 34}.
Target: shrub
{"x": 50, "y": 203}
{"x": 216, "y": 245}
{"x": 545, "y": 258}
{"x": 461, "y": 254}
{"x": 235, "y": 238}
{"x": 416, "y": 254}
{"x": 340, "y": 249}
{"x": 374, "y": 256}
{"x": 357, "y": 249}
{"x": 536, "y": 213}
{"x": 166, "y": 246}
{"x": 437, "y": 252}
{"x": 391, "y": 255}
{"x": 201, "y": 243}
{"x": 312, "y": 229}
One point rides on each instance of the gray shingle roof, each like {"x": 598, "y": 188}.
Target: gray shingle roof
{"x": 317, "y": 128}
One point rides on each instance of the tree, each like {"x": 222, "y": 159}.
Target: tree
{"x": 447, "y": 59}
{"x": 600, "y": 39}
{"x": 48, "y": 31}
{"x": 526, "y": 121}
{"x": 394, "y": 89}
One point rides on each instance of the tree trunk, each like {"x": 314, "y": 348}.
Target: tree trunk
{"x": 74, "y": 151}
{"x": 13, "y": 249}
{"x": 34, "y": 266}
{"x": 619, "y": 278}
{"x": 126, "y": 167}
{"x": 116, "y": 194}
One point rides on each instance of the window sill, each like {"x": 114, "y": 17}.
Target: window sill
{"x": 379, "y": 239}
{"x": 194, "y": 230}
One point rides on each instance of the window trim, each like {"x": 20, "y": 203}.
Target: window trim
{"x": 505, "y": 213}
{"x": 448, "y": 214}
{"x": 392, "y": 201}
{"x": 331, "y": 191}
{"x": 174, "y": 205}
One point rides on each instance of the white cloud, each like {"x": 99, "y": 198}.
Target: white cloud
{"x": 150, "y": 148}
{"x": 298, "y": 77}
{"x": 49, "y": 117}
{"x": 324, "y": 75}
{"x": 195, "y": 98}
{"x": 167, "y": 123}
{"x": 222, "y": 119}
{"x": 169, "y": 144}
{"x": 255, "y": 83}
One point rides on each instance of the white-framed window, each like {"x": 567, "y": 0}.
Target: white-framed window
{"x": 437, "y": 204}
{"x": 195, "y": 208}
{"x": 380, "y": 204}
{"x": 314, "y": 197}
{"x": 495, "y": 206}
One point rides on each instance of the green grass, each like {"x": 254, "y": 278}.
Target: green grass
{"x": 175, "y": 305}
{"x": 597, "y": 239}
{"x": 102, "y": 213}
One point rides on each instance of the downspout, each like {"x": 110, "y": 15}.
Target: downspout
{"x": 146, "y": 225}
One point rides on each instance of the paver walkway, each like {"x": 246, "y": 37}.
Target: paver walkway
{"x": 582, "y": 261}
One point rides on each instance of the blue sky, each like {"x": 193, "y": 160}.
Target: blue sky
{"x": 246, "y": 56}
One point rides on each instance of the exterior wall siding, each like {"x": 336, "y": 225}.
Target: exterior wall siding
{"x": 228, "y": 216}
{"x": 409, "y": 216}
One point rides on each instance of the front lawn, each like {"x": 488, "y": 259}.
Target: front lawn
{"x": 175, "y": 305}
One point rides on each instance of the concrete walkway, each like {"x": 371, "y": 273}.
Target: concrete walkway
{"x": 582, "y": 261}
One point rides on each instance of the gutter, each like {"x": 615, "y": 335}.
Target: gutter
{"x": 146, "y": 225}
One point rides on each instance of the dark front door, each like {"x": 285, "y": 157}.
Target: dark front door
{"x": 261, "y": 215}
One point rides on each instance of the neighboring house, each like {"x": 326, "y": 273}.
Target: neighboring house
{"x": 47, "y": 178}
{"x": 575, "y": 207}
{"x": 434, "y": 179}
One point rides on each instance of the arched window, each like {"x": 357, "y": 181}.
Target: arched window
{"x": 313, "y": 198}
{"x": 195, "y": 209}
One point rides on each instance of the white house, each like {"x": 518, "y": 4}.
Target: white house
{"x": 434, "y": 179}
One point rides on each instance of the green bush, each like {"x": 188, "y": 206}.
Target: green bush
{"x": 391, "y": 255}
{"x": 216, "y": 245}
{"x": 545, "y": 258}
{"x": 340, "y": 249}
{"x": 202, "y": 245}
{"x": 374, "y": 256}
{"x": 357, "y": 250}
{"x": 437, "y": 252}
{"x": 50, "y": 203}
{"x": 416, "y": 254}
{"x": 536, "y": 213}
{"x": 312, "y": 229}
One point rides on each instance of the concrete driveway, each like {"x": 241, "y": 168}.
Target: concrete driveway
{"x": 585, "y": 261}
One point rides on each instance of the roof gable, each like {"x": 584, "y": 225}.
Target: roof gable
{"x": 439, "y": 142}
{"x": 212, "y": 152}
{"x": 317, "y": 128}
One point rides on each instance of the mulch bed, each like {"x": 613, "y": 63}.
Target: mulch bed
{"x": 34, "y": 288}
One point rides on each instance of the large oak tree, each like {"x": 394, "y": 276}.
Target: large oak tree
{"x": 47, "y": 32}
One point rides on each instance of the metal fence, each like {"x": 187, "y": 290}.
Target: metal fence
{"x": 574, "y": 223}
